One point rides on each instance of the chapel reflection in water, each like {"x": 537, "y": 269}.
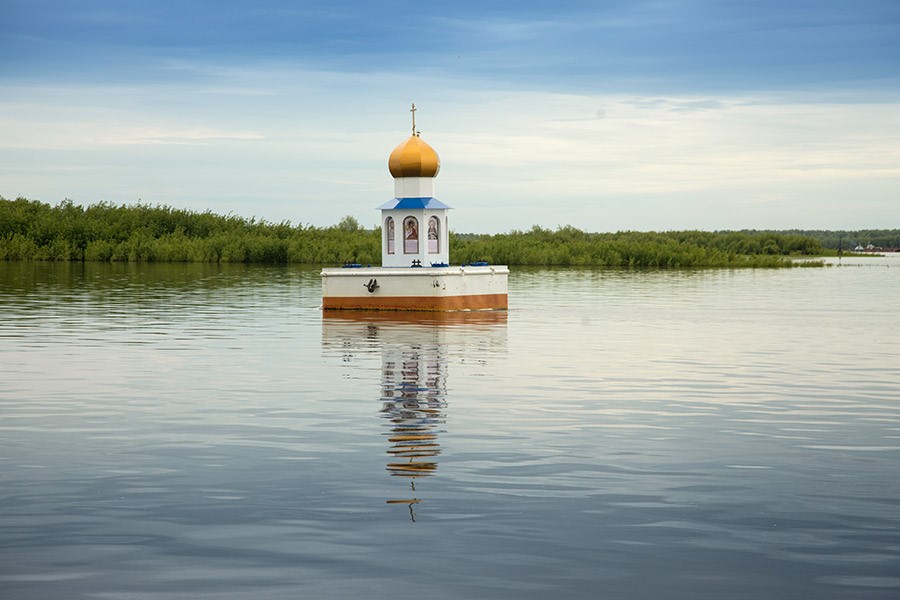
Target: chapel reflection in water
{"x": 413, "y": 396}
{"x": 416, "y": 350}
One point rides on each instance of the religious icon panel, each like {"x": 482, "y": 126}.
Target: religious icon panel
{"x": 410, "y": 235}
{"x": 434, "y": 246}
{"x": 389, "y": 229}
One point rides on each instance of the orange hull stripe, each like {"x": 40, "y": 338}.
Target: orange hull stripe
{"x": 433, "y": 303}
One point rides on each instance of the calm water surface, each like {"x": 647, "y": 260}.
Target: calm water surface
{"x": 184, "y": 431}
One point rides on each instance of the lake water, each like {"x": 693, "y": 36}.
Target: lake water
{"x": 189, "y": 431}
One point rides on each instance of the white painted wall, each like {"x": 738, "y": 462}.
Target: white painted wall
{"x": 400, "y": 258}
{"x": 414, "y": 187}
{"x": 448, "y": 281}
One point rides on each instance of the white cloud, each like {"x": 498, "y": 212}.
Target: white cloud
{"x": 311, "y": 147}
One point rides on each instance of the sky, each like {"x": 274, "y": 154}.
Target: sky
{"x": 610, "y": 115}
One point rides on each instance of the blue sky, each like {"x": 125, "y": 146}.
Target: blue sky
{"x": 606, "y": 115}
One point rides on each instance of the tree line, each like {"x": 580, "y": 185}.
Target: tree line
{"x": 849, "y": 239}
{"x": 569, "y": 246}
{"x": 33, "y": 230}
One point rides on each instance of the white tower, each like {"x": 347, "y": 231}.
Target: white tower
{"x": 414, "y": 224}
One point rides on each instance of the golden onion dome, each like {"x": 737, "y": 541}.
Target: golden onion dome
{"x": 413, "y": 157}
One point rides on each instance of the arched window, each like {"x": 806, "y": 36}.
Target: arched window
{"x": 410, "y": 235}
{"x": 434, "y": 237}
{"x": 389, "y": 233}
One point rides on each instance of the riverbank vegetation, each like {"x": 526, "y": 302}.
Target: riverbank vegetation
{"x": 568, "y": 246}
{"x": 847, "y": 240}
{"x": 32, "y": 230}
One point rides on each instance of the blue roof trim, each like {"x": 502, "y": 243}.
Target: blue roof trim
{"x": 412, "y": 203}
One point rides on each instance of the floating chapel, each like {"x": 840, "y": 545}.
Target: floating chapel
{"x": 415, "y": 272}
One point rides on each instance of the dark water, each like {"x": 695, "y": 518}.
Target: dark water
{"x": 186, "y": 431}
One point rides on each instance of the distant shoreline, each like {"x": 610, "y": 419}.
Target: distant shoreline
{"x": 33, "y": 230}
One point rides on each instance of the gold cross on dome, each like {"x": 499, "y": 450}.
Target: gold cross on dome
{"x": 413, "y": 111}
